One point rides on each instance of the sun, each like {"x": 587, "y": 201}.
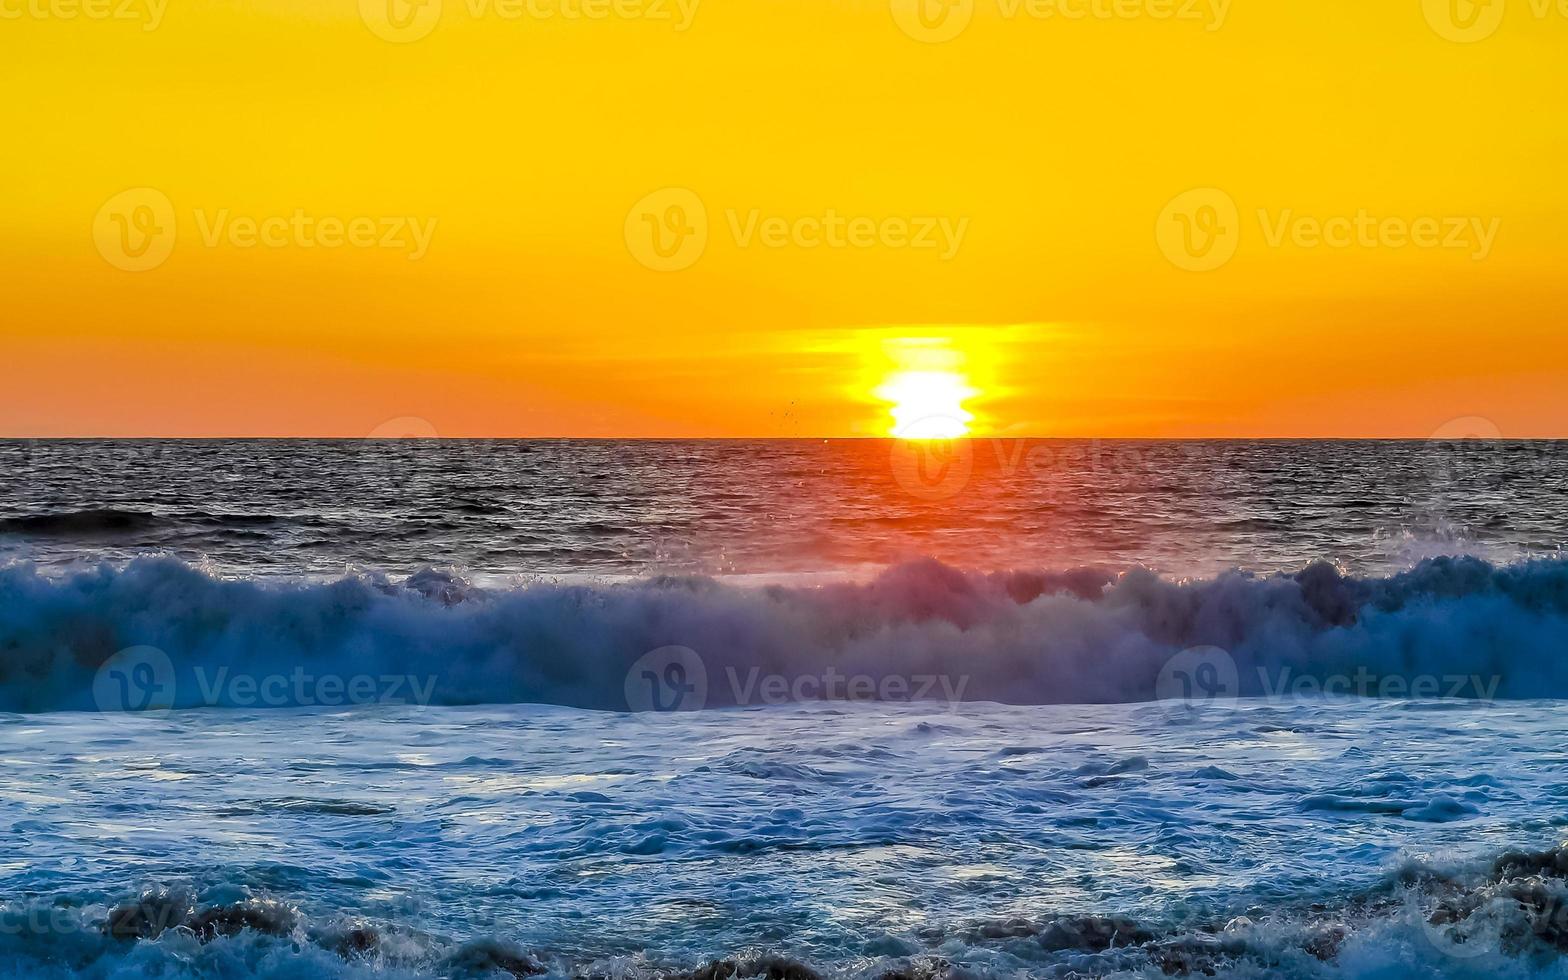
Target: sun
{"x": 928, "y": 404}
{"x": 927, "y": 380}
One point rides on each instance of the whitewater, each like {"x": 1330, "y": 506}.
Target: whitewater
{"x": 1354, "y": 838}
{"x": 1448, "y": 627}
{"x": 695, "y": 710}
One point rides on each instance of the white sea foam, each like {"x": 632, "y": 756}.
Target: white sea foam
{"x": 821, "y": 840}
{"x": 1448, "y": 627}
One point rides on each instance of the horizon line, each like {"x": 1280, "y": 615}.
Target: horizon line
{"x": 967, "y": 438}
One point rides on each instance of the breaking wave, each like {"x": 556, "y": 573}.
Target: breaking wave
{"x": 1080, "y": 636}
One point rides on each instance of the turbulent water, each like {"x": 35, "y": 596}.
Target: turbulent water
{"x": 989, "y": 709}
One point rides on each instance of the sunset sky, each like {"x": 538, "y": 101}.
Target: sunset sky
{"x": 751, "y": 217}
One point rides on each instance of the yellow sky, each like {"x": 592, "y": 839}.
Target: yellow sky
{"x": 718, "y": 217}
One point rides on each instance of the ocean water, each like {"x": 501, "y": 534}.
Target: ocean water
{"x": 771, "y": 507}
{"x": 785, "y": 709}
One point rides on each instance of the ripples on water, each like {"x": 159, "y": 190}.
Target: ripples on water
{"x": 852, "y": 840}
{"x": 722, "y": 507}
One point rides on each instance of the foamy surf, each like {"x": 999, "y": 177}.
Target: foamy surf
{"x": 1447, "y": 628}
{"x": 250, "y": 733}
{"x": 861, "y": 841}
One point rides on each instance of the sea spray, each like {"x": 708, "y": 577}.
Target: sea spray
{"x": 1449, "y": 627}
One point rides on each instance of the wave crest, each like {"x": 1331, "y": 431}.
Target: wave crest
{"x": 1077, "y": 636}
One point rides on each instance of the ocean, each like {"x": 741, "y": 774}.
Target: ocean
{"x": 717, "y": 709}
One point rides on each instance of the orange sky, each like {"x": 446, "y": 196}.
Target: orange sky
{"x": 1113, "y": 217}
